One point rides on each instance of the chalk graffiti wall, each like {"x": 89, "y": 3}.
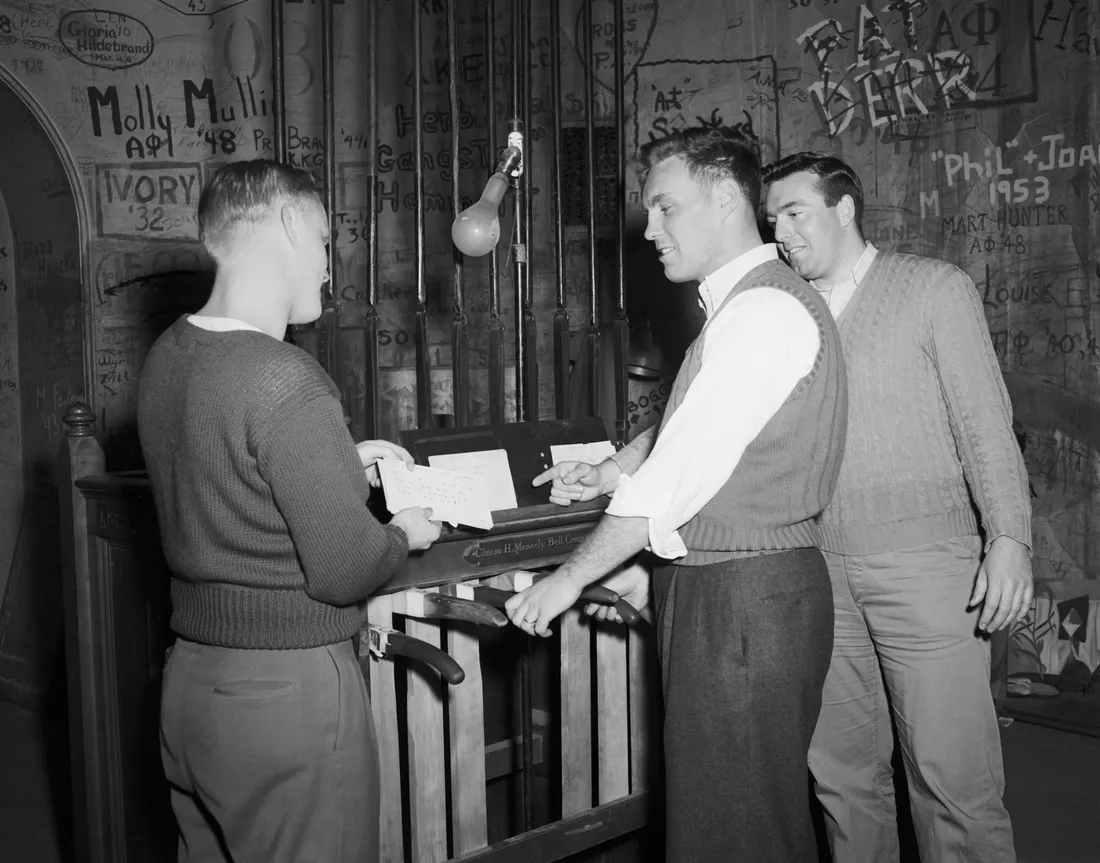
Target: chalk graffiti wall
{"x": 973, "y": 124}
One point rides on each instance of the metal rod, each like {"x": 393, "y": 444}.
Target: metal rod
{"x": 330, "y": 331}
{"x": 420, "y": 332}
{"x": 621, "y": 327}
{"x": 519, "y": 202}
{"x": 561, "y": 313}
{"x": 460, "y": 348}
{"x": 278, "y": 79}
{"x": 593, "y": 336}
{"x": 521, "y": 273}
{"x": 371, "y": 396}
{"x": 530, "y": 324}
{"x": 495, "y": 328}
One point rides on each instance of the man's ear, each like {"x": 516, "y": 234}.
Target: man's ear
{"x": 291, "y": 220}
{"x": 729, "y": 195}
{"x": 846, "y": 210}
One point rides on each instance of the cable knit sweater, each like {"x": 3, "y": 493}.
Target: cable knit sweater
{"x": 928, "y": 416}
{"x": 259, "y": 491}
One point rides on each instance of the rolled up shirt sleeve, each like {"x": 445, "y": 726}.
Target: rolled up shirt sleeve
{"x": 755, "y": 351}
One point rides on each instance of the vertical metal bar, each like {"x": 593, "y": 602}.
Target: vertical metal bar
{"x": 460, "y": 348}
{"x": 621, "y": 326}
{"x": 371, "y": 399}
{"x": 330, "y": 331}
{"x": 530, "y": 323}
{"x": 420, "y": 333}
{"x": 593, "y": 337}
{"x": 561, "y": 313}
{"x": 521, "y": 275}
{"x": 495, "y": 359}
{"x": 278, "y": 79}
{"x": 519, "y": 218}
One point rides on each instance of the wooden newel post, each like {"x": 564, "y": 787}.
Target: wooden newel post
{"x": 80, "y": 456}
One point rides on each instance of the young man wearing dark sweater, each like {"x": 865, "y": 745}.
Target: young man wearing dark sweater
{"x": 929, "y": 428}
{"x": 725, "y": 491}
{"x": 266, "y": 733}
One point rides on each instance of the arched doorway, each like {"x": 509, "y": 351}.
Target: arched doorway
{"x": 45, "y": 368}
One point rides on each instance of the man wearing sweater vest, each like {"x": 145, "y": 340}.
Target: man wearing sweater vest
{"x": 930, "y": 427}
{"x": 266, "y": 733}
{"x": 726, "y": 491}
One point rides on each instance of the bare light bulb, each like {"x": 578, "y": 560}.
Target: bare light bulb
{"x": 476, "y": 230}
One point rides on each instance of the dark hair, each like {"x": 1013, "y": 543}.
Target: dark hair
{"x": 244, "y": 192}
{"x": 712, "y": 153}
{"x": 835, "y": 178}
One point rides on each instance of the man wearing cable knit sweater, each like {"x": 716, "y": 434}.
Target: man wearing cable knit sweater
{"x": 266, "y": 733}
{"x": 915, "y": 591}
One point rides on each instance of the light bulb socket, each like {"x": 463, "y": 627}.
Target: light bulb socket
{"x": 511, "y": 162}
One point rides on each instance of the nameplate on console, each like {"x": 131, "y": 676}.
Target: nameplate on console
{"x": 518, "y": 548}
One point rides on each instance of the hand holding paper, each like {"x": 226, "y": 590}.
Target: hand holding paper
{"x": 453, "y": 497}
{"x": 371, "y": 451}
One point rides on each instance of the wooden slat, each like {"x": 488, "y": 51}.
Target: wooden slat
{"x": 576, "y": 714}
{"x": 612, "y": 712}
{"x": 571, "y": 836}
{"x": 466, "y": 715}
{"x": 642, "y": 680}
{"x": 427, "y": 767}
{"x": 383, "y": 697}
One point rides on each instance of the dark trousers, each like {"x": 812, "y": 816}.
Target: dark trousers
{"x": 744, "y": 647}
{"x": 270, "y": 754}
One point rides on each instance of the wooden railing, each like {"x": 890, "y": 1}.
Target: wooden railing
{"x": 579, "y": 777}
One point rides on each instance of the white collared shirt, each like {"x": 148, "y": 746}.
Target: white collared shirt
{"x": 220, "y": 325}
{"x": 754, "y": 354}
{"x": 839, "y": 294}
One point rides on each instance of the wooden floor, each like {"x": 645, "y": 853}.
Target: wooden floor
{"x": 1053, "y": 791}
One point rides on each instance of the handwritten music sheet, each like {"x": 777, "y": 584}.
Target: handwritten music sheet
{"x": 589, "y": 453}
{"x": 489, "y": 464}
{"x": 454, "y": 497}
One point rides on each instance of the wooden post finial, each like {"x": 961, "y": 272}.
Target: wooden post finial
{"x": 79, "y": 421}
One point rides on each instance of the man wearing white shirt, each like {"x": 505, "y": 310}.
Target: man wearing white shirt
{"x": 726, "y": 490}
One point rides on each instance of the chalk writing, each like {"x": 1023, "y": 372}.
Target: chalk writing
{"x": 109, "y": 40}
{"x": 883, "y": 84}
{"x": 142, "y": 117}
{"x": 201, "y": 7}
{"x": 150, "y": 200}
{"x": 1070, "y": 14}
{"x": 245, "y": 100}
{"x": 669, "y": 95}
{"x": 639, "y": 21}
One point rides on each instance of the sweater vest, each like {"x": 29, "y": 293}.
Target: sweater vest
{"x": 787, "y": 473}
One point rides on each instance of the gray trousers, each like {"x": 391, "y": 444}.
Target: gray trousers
{"x": 744, "y": 647}
{"x": 905, "y": 642}
{"x": 270, "y": 754}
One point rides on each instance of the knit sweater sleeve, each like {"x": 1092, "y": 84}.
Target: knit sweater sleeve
{"x": 309, "y": 460}
{"x": 979, "y": 408}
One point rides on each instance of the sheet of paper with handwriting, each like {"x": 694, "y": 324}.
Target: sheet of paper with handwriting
{"x": 455, "y": 498}
{"x": 489, "y": 464}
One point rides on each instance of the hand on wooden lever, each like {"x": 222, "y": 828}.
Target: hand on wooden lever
{"x": 603, "y": 601}
{"x": 389, "y": 642}
{"x": 541, "y": 602}
{"x": 632, "y": 584}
